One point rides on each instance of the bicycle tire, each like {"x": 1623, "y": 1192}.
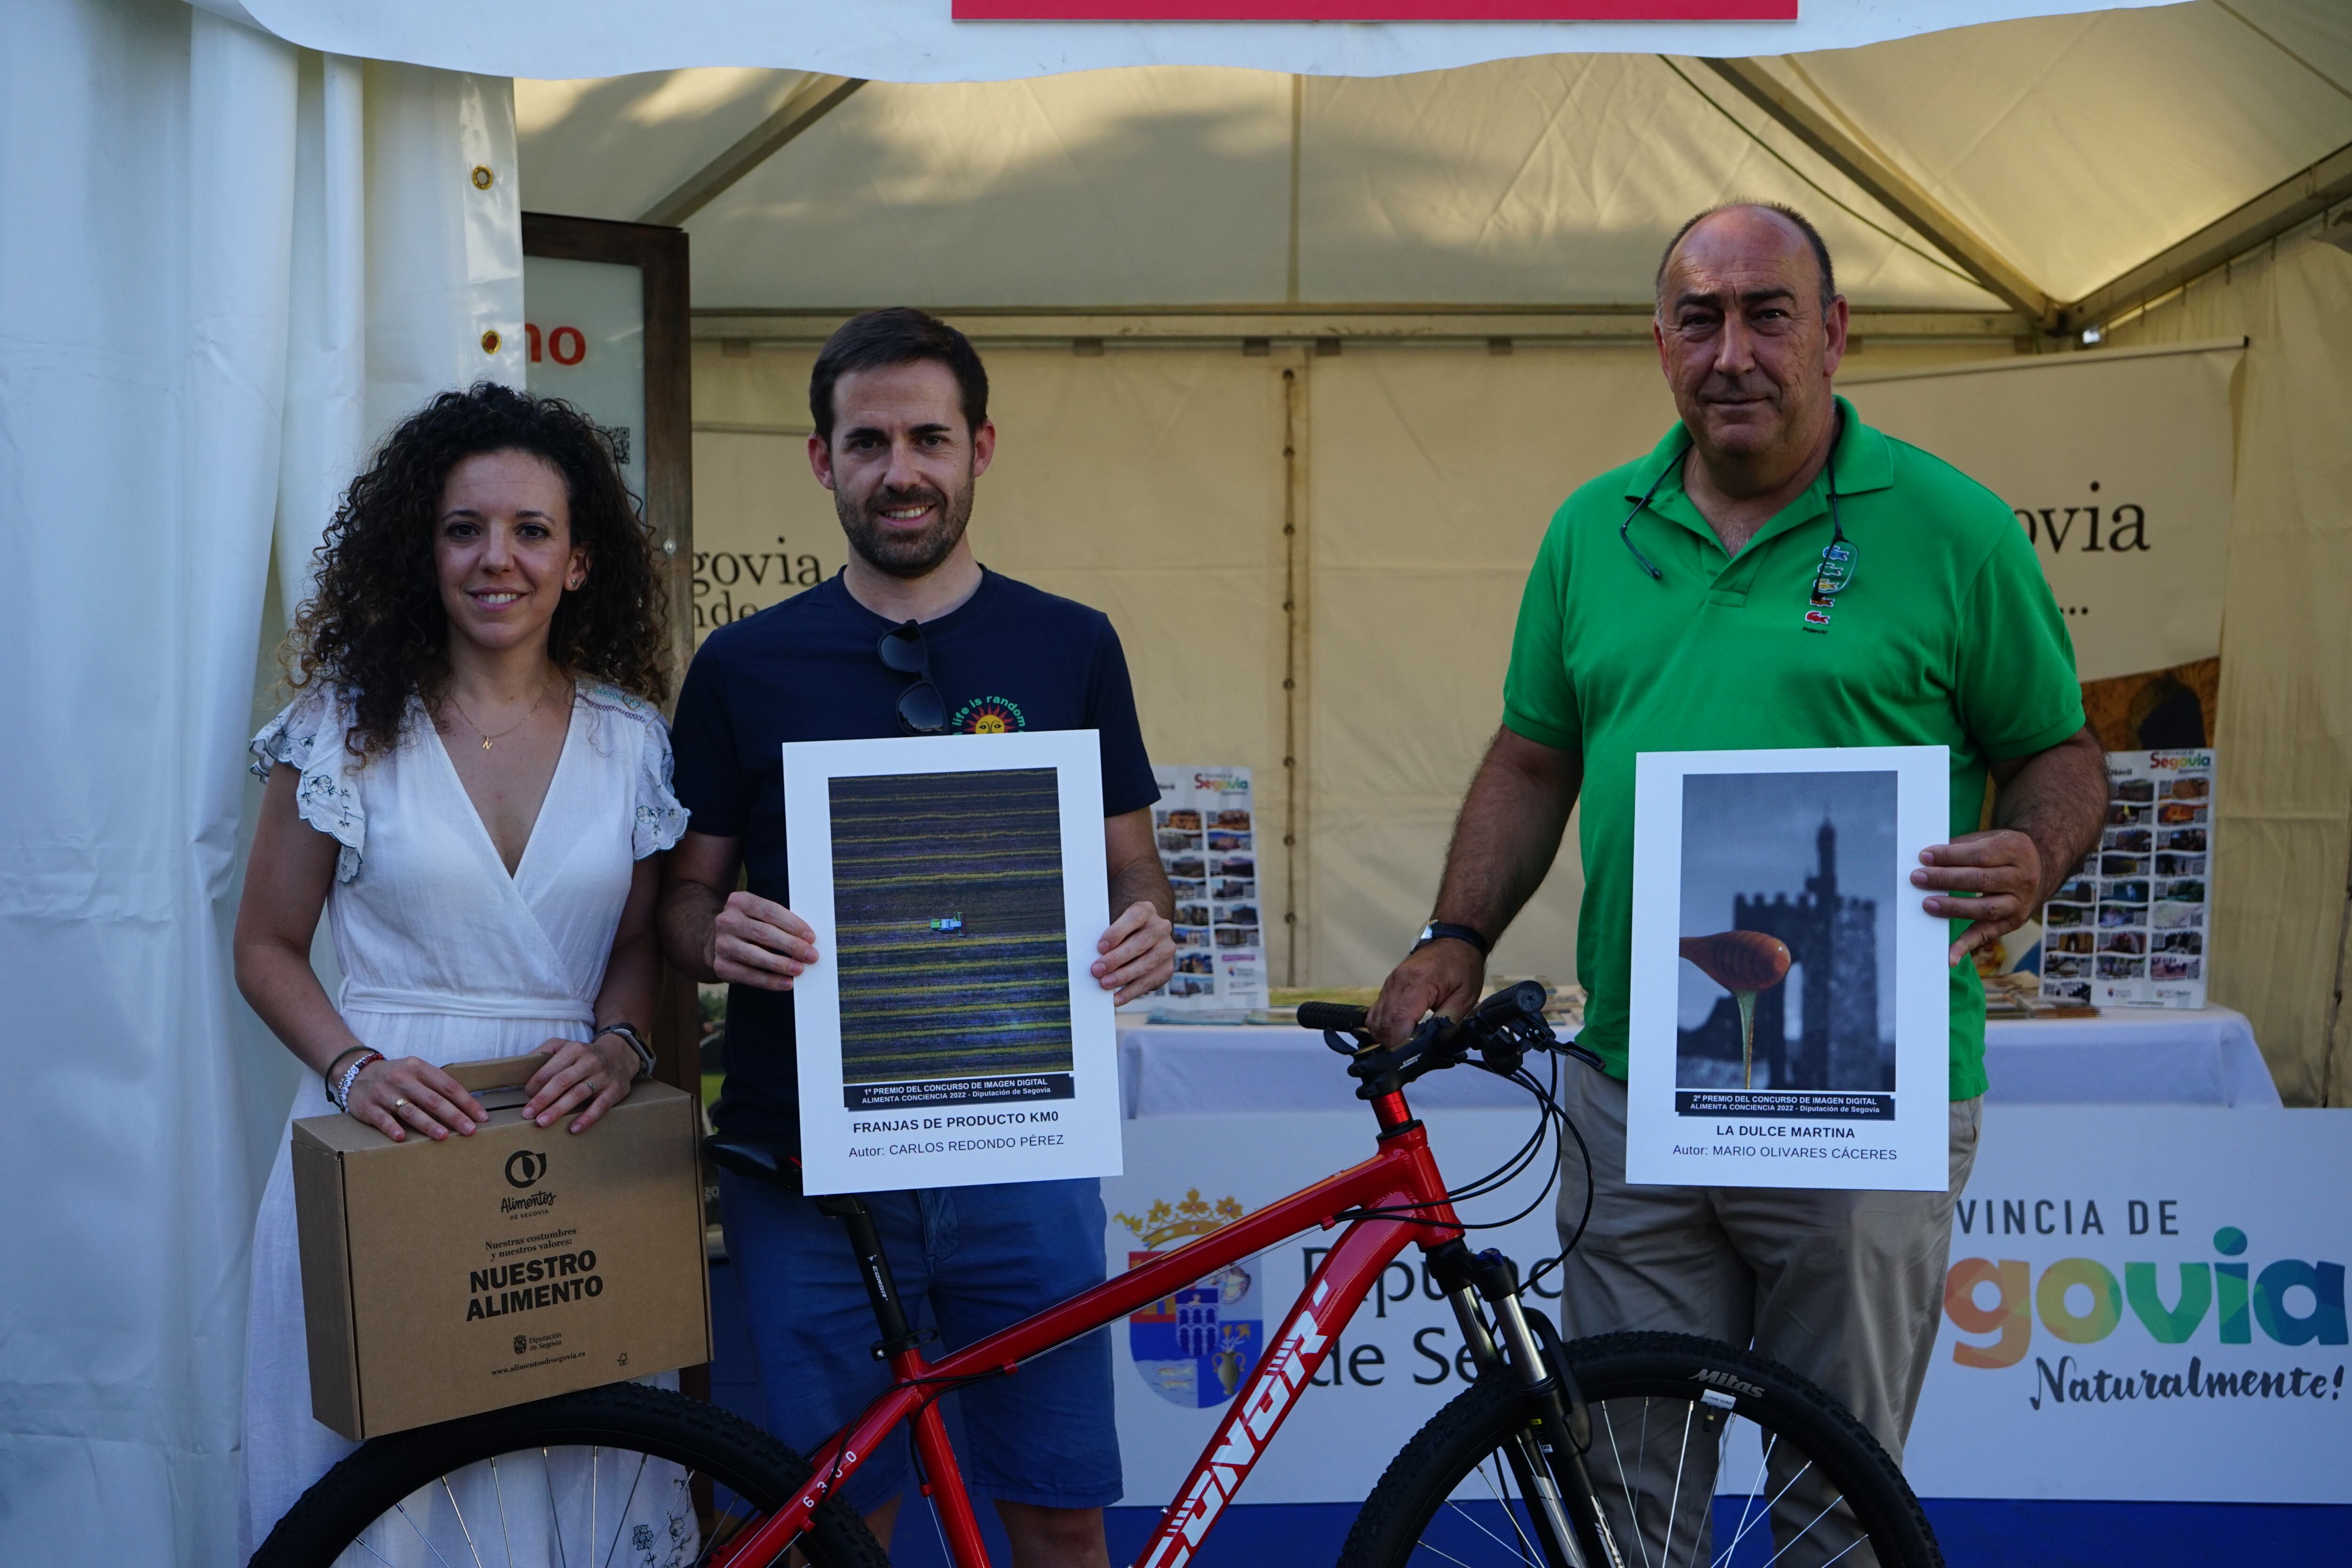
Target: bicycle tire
{"x": 1650, "y": 1371}
{"x": 370, "y": 1484}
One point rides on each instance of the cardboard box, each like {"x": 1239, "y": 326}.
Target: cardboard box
{"x": 439, "y": 1279}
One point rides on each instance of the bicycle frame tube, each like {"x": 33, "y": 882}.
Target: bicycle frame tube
{"x": 1402, "y": 1173}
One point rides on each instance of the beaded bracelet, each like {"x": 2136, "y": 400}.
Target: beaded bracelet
{"x": 338, "y": 1089}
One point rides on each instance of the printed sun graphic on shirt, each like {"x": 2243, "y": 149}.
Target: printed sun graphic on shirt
{"x": 989, "y": 716}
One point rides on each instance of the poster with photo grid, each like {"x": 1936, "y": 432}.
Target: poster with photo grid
{"x": 1206, "y": 828}
{"x": 2128, "y": 927}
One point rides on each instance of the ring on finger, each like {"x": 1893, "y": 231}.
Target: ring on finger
{"x": 398, "y": 1103}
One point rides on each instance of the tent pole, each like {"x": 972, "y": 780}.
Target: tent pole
{"x": 1293, "y": 619}
{"x": 815, "y": 97}
{"x": 1891, "y": 188}
{"x": 1297, "y": 115}
{"x": 2293, "y": 200}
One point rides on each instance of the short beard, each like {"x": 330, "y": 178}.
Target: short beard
{"x": 904, "y": 558}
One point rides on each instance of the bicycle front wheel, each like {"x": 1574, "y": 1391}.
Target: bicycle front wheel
{"x": 1700, "y": 1454}
{"x": 620, "y": 1477}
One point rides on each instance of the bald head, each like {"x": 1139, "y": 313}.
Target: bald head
{"x": 1782, "y": 232}
{"x": 1750, "y": 331}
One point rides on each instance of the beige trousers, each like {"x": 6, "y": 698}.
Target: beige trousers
{"x": 1844, "y": 1288}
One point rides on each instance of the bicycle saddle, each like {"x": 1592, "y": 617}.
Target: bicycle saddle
{"x": 754, "y": 1158}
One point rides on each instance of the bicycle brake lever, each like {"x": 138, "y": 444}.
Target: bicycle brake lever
{"x": 1584, "y": 1054}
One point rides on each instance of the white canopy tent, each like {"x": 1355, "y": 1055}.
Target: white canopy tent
{"x": 1114, "y": 237}
{"x": 2069, "y": 149}
{"x": 1259, "y": 278}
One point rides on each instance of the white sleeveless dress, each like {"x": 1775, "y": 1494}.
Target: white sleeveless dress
{"x": 445, "y": 957}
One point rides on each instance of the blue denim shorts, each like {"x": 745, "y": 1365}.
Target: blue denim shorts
{"x": 967, "y": 1261}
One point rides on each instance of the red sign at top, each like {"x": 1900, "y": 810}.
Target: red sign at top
{"x": 1375, "y": 10}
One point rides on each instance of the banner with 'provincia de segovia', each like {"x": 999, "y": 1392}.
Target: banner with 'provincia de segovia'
{"x": 2144, "y": 1302}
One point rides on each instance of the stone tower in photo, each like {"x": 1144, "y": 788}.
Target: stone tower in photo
{"x": 1836, "y": 939}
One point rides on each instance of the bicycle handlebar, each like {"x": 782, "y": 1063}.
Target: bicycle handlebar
{"x": 1502, "y": 1029}
{"x": 1512, "y": 1004}
{"x": 1341, "y": 1016}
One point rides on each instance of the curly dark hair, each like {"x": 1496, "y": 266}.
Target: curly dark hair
{"x": 374, "y": 623}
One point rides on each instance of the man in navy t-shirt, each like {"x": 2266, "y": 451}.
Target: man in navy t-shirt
{"x": 914, "y": 636}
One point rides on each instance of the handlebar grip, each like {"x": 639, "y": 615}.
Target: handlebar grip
{"x": 1526, "y": 998}
{"x": 1331, "y": 1016}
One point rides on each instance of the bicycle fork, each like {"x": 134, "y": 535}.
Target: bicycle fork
{"x": 1547, "y": 1456}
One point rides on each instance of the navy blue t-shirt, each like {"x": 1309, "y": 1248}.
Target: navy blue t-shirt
{"x": 1010, "y": 657}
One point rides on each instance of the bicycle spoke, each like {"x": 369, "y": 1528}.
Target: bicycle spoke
{"x": 1674, "y": 1499}
{"x": 1755, "y": 1490}
{"x": 1501, "y": 1486}
{"x": 947, "y": 1553}
{"x": 719, "y": 1535}
{"x": 1440, "y": 1551}
{"x": 1791, "y": 1481}
{"x": 1502, "y": 1496}
{"x": 1624, "y": 1485}
{"x": 1472, "y": 1520}
{"x": 1610, "y": 1421}
{"x": 362, "y": 1545}
{"x": 554, "y": 1514}
{"x": 498, "y": 1485}
{"x": 682, "y": 1497}
{"x": 473, "y": 1550}
{"x": 1641, "y": 1452}
{"x": 622, "y": 1523}
{"x": 1808, "y": 1531}
{"x": 401, "y": 1508}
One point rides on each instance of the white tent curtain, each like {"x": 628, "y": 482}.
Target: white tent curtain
{"x": 227, "y": 263}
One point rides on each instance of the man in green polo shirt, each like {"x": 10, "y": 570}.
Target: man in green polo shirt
{"x": 1673, "y": 607}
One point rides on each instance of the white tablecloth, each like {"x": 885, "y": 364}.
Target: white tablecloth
{"x": 2140, "y": 1058}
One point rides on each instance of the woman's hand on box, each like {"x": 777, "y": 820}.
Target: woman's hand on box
{"x": 595, "y": 1074}
{"x": 410, "y": 1094}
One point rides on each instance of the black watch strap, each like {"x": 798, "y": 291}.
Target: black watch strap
{"x": 1437, "y": 930}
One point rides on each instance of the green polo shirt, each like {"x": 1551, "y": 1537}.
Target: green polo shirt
{"x": 1949, "y": 636}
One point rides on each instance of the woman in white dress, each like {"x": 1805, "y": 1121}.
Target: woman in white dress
{"x": 472, "y": 781}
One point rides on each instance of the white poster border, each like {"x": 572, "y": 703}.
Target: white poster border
{"x": 1909, "y": 1154}
{"x": 1031, "y": 1142}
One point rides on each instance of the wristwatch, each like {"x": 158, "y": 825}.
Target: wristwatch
{"x": 636, "y": 1043}
{"x": 1437, "y": 930}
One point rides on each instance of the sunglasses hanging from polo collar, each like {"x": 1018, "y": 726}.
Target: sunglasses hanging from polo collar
{"x": 922, "y": 709}
{"x": 1840, "y": 559}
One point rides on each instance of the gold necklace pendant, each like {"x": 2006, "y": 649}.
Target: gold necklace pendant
{"x": 511, "y": 729}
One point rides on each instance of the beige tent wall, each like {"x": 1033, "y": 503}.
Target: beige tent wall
{"x": 2283, "y": 810}
{"x": 1434, "y": 473}
{"x": 1148, "y": 483}
{"x": 1152, "y": 481}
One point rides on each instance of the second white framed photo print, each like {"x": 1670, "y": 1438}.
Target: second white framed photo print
{"x": 1791, "y": 1014}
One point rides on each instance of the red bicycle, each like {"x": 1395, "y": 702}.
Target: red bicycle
{"x": 1630, "y": 1450}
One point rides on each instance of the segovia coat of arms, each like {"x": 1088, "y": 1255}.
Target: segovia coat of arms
{"x": 1194, "y": 1347}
